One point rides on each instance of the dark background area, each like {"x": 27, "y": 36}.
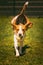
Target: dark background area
{"x": 13, "y": 7}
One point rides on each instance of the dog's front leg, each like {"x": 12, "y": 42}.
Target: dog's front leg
{"x": 21, "y": 46}
{"x": 16, "y": 45}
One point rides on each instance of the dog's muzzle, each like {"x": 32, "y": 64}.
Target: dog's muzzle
{"x": 21, "y": 36}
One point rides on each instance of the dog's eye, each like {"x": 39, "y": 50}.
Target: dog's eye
{"x": 23, "y": 29}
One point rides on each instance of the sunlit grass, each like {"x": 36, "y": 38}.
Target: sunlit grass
{"x": 33, "y": 43}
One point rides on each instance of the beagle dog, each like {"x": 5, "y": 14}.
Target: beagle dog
{"x": 20, "y": 24}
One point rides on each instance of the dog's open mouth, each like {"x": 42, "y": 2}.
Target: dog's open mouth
{"x": 19, "y": 37}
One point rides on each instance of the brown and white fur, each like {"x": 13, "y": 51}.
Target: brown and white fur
{"x": 19, "y": 29}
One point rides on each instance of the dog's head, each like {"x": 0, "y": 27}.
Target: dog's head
{"x": 20, "y": 28}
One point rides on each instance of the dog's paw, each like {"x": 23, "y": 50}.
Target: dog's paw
{"x": 17, "y": 54}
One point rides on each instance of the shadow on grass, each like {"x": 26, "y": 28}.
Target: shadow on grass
{"x": 24, "y": 49}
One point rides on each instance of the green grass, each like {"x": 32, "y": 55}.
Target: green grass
{"x": 34, "y": 40}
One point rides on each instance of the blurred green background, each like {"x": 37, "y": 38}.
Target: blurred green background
{"x": 33, "y": 43}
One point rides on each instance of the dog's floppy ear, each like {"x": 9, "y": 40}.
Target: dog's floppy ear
{"x": 13, "y": 23}
{"x": 28, "y": 24}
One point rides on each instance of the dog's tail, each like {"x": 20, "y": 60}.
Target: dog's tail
{"x": 24, "y": 7}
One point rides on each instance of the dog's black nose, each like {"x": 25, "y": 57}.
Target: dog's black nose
{"x": 20, "y": 35}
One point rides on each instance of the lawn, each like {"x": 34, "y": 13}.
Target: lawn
{"x": 33, "y": 43}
